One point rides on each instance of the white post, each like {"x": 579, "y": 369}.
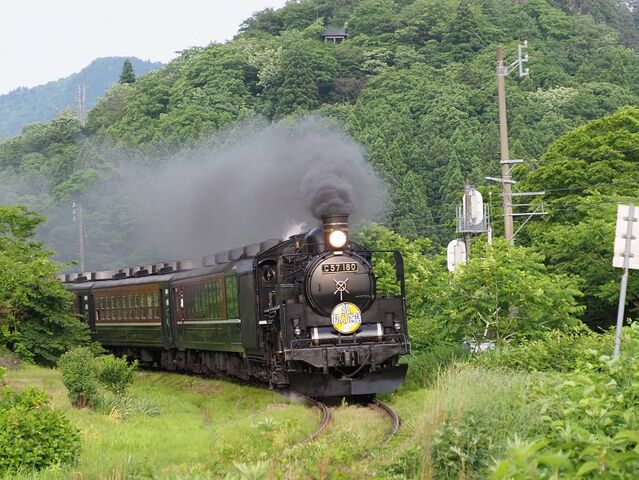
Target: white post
{"x": 624, "y": 280}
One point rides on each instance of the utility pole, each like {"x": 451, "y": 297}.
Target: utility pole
{"x": 78, "y": 214}
{"x": 503, "y": 142}
{"x": 502, "y": 73}
{"x": 82, "y": 102}
{"x": 78, "y": 218}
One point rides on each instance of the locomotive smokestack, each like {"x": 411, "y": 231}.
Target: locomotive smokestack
{"x": 335, "y": 228}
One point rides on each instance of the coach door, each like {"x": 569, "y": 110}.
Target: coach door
{"x": 168, "y": 329}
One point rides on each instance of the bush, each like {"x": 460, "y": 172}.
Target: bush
{"x": 116, "y": 374}
{"x": 32, "y": 435}
{"x": 80, "y": 376}
{"x": 462, "y": 448}
{"x": 83, "y": 374}
{"x": 555, "y": 351}
{"x": 590, "y": 420}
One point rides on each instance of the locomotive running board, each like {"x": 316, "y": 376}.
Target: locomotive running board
{"x": 321, "y": 385}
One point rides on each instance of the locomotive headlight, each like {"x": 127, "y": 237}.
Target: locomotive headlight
{"x": 397, "y": 326}
{"x": 297, "y": 331}
{"x": 337, "y": 239}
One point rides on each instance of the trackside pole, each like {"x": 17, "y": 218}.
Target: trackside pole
{"x": 630, "y": 220}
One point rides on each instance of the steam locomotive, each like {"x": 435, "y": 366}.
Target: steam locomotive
{"x": 302, "y": 313}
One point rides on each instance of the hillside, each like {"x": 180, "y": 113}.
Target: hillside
{"x": 414, "y": 83}
{"x": 39, "y": 104}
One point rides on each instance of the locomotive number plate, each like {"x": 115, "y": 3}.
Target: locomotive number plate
{"x": 339, "y": 267}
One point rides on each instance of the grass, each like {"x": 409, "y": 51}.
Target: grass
{"x": 209, "y": 428}
{"x": 204, "y": 426}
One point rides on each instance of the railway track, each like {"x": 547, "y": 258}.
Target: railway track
{"x": 392, "y": 415}
{"x": 325, "y": 418}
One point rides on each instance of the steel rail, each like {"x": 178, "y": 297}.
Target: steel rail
{"x": 394, "y": 418}
{"x": 324, "y": 420}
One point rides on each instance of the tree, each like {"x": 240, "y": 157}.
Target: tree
{"x": 307, "y": 75}
{"x": 464, "y": 35}
{"x": 587, "y": 172}
{"x": 35, "y": 309}
{"x": 503, "y": 293}
{"x": 127, "y": 75}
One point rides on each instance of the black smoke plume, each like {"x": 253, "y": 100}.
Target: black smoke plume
{"x": 253, "y": 182}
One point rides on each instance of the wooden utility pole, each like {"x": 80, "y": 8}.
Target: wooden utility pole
{"x": 82, "y": 103}
{"x": 78, "y": 219}
{"x": 78, "y": 213}
{"x": 505, "y": 154}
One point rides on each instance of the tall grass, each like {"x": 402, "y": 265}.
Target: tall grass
{"x": 216, "y": 429}
{"x": 465, "y": 402}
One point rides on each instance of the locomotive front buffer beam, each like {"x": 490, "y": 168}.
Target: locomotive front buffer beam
{"x": 331, "y": 358}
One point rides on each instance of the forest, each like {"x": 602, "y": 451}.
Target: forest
{"x": 413, "y": 83}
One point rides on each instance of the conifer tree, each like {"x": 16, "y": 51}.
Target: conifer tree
{"x": 464, "y": 34}
{"x": 299, "y": 87}
{"x": 127, "y": 75}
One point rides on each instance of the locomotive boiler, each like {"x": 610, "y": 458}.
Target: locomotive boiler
{"x": 303, "y": 313}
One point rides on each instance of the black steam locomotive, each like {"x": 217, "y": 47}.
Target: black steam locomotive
{"x": 302, "y": 313}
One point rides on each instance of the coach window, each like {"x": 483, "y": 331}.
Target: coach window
{"x": 232, "y": 304}
{"x": 149, "y": 304}
{"x": 211, "y": 302}
{"x": 143, "y": 307}
{"x": 201, "y": 302}
{"x": 156, "y": 305}
{"x": 125, "y": 307}
{"x": 217, "y": 300}
{"x": 118, "y": 307}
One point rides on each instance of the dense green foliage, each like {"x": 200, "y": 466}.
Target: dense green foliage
{"x": 80, "y": 376}
{"x": 590, "y": 424}
{"x": 580, "y": 423}
{"x": 85, "y": 375}
{"x": 116, "y": 374}
{"x": 35, "y": 318}
{"x": 39, "y": 104}
{"x": 32, "y": 434}
{"x": 554, "y": 351}
{"x": 414, "y": 82}
{"x": 504, "y": 293}
{"x": 586, "y": 173}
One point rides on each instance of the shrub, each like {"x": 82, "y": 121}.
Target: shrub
{"x": 461, "y": 448}
{"x": 80, "y": 374}
{"x": 124, "y": 407}
{"x": 590, "y": 421}
{"x": 116, "y": 374}
{"x": 555, "y": 351}
{"x": 32, "y": 435}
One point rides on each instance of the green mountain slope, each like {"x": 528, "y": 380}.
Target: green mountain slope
{"x": 414, "y": 82}
{"x": 38, "y": 104}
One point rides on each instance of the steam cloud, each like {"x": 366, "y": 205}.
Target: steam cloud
{"x": 245, "y": 185}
